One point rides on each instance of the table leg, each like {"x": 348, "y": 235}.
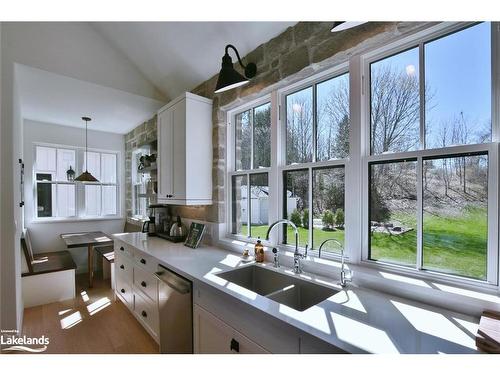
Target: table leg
{"x": 91, "y": 264}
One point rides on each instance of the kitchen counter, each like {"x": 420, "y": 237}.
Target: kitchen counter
{"x": 357, "y": 320}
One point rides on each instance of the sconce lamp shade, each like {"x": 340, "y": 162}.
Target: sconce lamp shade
{"x": 344, "y": 25}
{"x": 229, "y": 78}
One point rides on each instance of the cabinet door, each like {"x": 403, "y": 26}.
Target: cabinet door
{"x": 213, "y": 336}
{"x": 166, "y": 154}
{"x": 178, "y": 171}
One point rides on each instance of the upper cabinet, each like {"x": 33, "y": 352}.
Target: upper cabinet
{"x": 185, "y": 151}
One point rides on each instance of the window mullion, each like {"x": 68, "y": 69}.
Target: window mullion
{"x": 420, "y": 205}
{"x": 251, "y": 138}
{"x": 249, "y": 207}
{"x": 421, "y": 70}
{"x": 310, "y": 208}
{"x": 315, "y": 124}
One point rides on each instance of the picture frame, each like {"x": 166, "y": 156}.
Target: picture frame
{"x": 196, "y": 231}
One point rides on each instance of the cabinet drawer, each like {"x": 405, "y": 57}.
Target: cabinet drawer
{"x": 147, "y": 312}
{"x": 124, "y": 269}
{"x": 124, "y": 291}
{"x": 145, "y": 261}
{"x": 146, "y": 283}
{"x": 122, "y": 248}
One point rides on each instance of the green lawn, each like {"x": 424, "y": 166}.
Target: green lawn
{"x": 456, "y": 245}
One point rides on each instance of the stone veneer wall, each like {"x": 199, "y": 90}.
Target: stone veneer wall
{"x": 299, "y": 52}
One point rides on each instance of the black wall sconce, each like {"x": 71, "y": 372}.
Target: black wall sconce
{"x": 229, "y": 78}
{"x": 344, "y": 25}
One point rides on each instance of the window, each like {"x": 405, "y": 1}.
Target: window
{"x": 429, "y": 199}
{"x": 250, "y": 180}
{"x": 56, "y": 197}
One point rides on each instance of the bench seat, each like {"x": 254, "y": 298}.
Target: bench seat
{"x": 51, "y": 262}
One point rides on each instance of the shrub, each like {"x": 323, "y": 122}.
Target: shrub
{"x": 295, "y": 218}
{"x": 339, "y": 217}
{"x": 328, "y": 219}
{"x": 305, "y": 218}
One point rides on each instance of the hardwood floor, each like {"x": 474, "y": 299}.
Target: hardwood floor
{"x": 92, "y": 323}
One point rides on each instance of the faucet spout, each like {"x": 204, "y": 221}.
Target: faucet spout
{"x": 296, "y": 255}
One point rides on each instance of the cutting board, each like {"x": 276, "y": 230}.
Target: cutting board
{"x": 488, "y": 333}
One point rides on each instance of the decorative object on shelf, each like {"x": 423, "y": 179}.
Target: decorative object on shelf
{"x": 147, "y": 162}
{"x": 70, "y": 174}
{"x": 86, "y": 176}
{"x": 343, "y": 25}
{"x": 195, "y": 235}
{"x": 229, "y": 78}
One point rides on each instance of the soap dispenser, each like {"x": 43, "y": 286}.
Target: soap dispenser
{"x": 259, "y": 251}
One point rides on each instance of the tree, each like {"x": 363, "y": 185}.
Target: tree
{"x": 339, "y": 217}
{"x": 305, "y": 218}
{"x": 328, "y": 219}
{"x": 262, "y": 136}
{"x": 299, "y": 134}
{"x": 296, "y": 218}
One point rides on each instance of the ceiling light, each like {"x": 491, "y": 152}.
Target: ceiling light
{"x": 344, "y": 25}
{"x": 86, "y": 176}
{"x": 229, "y": 78}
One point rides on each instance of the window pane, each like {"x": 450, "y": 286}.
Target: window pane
{"x": 94, "y": 160}
{"x": 45, "y": 204}
{"x": 66, "y": 200}
{"x": 239, "y": 205}
{"x": 108, "y": 174}
{"x": 333, "y": 118}
{"x": 259, "y": 205}
{"x": 299, "y": 126}
{"x": 458, "y": 88}
{"x": 328, "y": 207}
{"x": 243, "y": 141}
{"x": 92, "y": 199}
{"x": 455, "y": 220}
{"x": 45, "y": 159}
{"x": 395, "y": 103}
{"x": 296, "y": 205}
{"x": 393, "y": 212}
{"x": 262, "y": 136}
{"x": 109, "y": 200}
{"x": 65, "y": 159}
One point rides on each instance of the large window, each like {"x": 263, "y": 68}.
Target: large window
{"x": 56, "y": 196}
{"x": 250, "y": 180}
{"x": 428, "y": 199}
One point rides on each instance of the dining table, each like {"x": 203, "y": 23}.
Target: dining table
{"x": 89, "y": 240}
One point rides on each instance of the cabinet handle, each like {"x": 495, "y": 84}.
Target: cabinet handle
{"x": 235, "y": 346}
{"x": 121, "y": 248}
{"x": 143, "y": 261}
{"x": 122, "y": 290}
{"x": 143, "y": 283}
{"x": 122, "y": 267}
{"x": 144, "y": 314}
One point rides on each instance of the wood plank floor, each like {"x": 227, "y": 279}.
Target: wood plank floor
{"x": 91, "y": 323}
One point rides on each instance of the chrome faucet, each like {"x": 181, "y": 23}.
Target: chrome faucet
{"x": 297, "y": 267}
{"x": 344, "y": 279}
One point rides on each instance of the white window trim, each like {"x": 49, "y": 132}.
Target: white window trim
{"x": 79, "y": 187}
{"x": 356, "y": 166}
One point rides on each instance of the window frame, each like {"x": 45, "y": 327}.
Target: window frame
{"x": 419, "y": 40}
{"x": 80, "y": 207}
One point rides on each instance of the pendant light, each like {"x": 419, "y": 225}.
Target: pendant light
{"x": 229, "y": 78}
{"x": 86, "y": 176}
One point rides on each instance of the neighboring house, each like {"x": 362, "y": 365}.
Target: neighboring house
{"x": 259, "y": 204}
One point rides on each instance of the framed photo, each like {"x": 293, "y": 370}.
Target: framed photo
{"x": 195, "y": 235}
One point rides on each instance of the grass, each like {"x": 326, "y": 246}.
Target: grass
{"x": 451, "y": 244}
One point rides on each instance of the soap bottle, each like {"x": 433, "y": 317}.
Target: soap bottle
{"x": 259, "y": 251}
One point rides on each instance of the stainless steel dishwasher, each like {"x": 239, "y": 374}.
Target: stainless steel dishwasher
{"x": 176, "y": 312}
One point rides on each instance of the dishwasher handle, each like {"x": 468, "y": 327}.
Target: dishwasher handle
{"x": 177, "y": 283}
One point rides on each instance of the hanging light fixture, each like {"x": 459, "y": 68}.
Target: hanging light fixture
{"x": 344, "y": 25}
{"x": 86, "y": 176}
{"x": 229, "y": 78}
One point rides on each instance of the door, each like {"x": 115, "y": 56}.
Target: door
{"x": 178, "y": 168}
{"x": 213, "y": 336}
{"x": 166, "y": 153}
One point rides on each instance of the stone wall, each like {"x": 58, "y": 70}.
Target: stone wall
{"x": 299, "y": 52}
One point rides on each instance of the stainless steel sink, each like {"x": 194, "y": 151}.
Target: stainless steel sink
{"x": 287, "y": 290}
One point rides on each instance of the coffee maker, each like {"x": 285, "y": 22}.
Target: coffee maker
{"x": 157, "y": 220}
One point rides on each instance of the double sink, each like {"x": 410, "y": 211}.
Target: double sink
{"x": 288, "y": 290}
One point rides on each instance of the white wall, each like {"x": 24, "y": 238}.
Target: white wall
{"x": 46, "y": 235}
{"x": 72, "y": 49}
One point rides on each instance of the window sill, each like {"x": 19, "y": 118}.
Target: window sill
{"x": 75, "y": 220}
{"x": 447, "y": 292}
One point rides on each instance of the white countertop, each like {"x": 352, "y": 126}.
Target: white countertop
{"x": 357, "y": 320}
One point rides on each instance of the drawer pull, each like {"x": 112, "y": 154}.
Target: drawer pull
{"x": 121, "y": 248}
{"x": 235, "y": 346}
{"x": 122, "y": 290}
{"x": 143, "y": 284}
{"x": 143, "y": 261}
{"x": 122, "y": 267}
{"x": 144, "y": 314}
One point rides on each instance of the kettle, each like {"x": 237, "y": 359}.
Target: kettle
{"x": 178, "y": 229}
{"x": 149, "y": 227}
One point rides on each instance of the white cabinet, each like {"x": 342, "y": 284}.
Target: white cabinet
{"x": 213, "y": 336}
{"x": 185, "y": 151}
